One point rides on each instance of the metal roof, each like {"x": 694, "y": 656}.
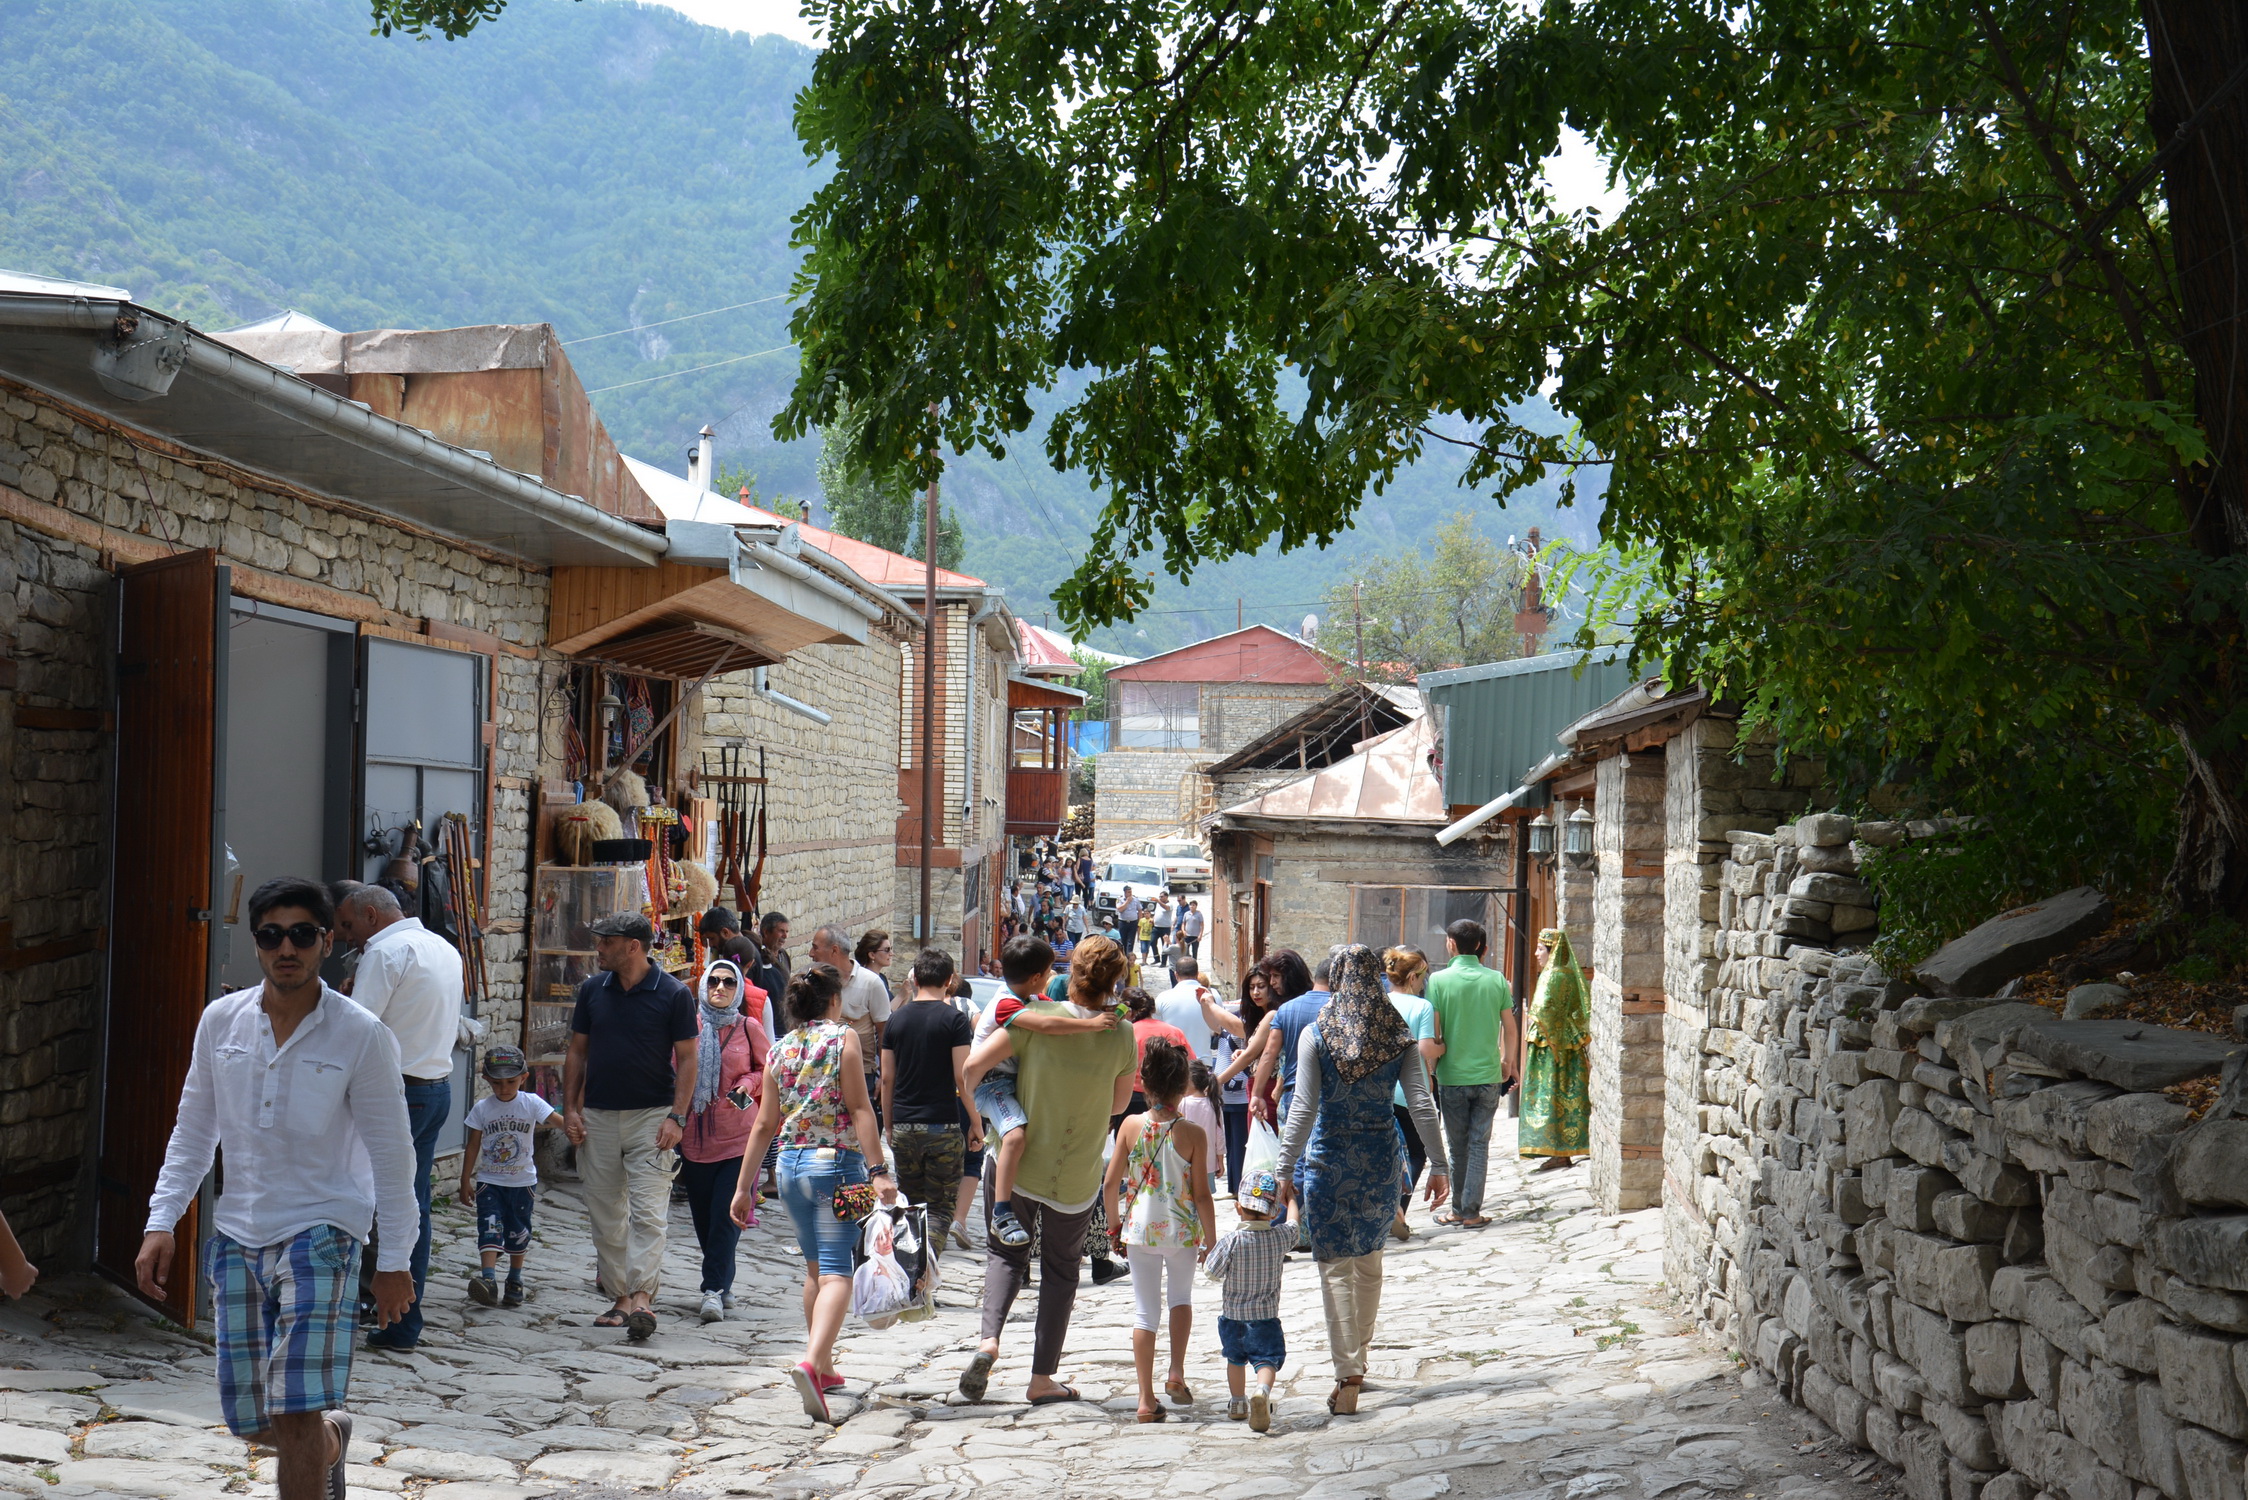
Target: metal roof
{"x": 1325, "y": 732}
{"x": 1388, "y": 782}
{"x": 1257, "y": 653}
{"x": 1500, "y": 720}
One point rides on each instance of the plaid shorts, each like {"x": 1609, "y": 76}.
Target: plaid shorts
{"x": 285, "y": 1317}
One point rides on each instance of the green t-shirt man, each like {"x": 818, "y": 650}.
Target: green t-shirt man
{"x": 1472, "y": 1003}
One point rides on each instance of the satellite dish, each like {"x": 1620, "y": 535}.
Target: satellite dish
{"x": 1310, "y": 630}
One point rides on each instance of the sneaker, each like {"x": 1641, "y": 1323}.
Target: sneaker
{"x": 726, "y": 1300}
{"x": 1106, "y": 1271}
{"x": 341, "y": 1421}
{"x": 713, "y": 1307}
{"x": 809, "y": 1390}
{"x": 1237, "y": 1409}
{"x": 960, "y": 1238}
{"x": 513, "y": 1296}
{"x": 483, "y": 1290}
{"x": 1260, "y": 1411}
{"x": 1008, "y": 1229}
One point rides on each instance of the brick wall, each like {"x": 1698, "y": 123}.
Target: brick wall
{"x": 1627, "y": 1002}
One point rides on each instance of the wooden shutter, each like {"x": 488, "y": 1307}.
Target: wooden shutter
{"x": 171, "y": 638}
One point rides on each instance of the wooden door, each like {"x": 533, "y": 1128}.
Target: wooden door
{"x": 170, "y": 687}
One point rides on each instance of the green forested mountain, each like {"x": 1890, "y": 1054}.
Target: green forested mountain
{"x": 596, "y": 165}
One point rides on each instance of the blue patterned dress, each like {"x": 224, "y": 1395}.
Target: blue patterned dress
{"x": 1352, "y": 1166}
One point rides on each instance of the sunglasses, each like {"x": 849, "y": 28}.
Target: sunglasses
{"x": 722, "y": 982}
{"x": 302, "y": 935}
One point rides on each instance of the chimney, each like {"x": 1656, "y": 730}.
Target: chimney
{"x": 704, "y": 475}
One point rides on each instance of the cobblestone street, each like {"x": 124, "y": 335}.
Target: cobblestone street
{"x": 1537, "y": 1357}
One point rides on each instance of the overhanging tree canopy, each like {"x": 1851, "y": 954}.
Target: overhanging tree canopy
{"x": 1914, "y": 358}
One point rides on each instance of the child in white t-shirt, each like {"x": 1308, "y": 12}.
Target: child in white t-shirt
{"x": 499, "y": 1170}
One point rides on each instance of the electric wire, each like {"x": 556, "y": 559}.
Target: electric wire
{"x": 667, "y": 322}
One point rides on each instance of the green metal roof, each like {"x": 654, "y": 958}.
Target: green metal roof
{"x": 1500, "y": 720}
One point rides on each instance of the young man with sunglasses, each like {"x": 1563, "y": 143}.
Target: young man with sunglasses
{"x": 302, "y": 1090}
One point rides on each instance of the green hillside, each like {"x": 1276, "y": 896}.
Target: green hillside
{"x": 599, "y": 166}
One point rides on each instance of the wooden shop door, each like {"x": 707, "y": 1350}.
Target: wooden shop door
{"x": 165, "y": 883}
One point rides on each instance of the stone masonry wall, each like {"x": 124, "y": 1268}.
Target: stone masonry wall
{"x": 1626, "y": 1053}
{"x": 1312, "y": 874}
{"x": 1137, "y": 791}
{"x": 77, "y": 499}
{"x": 1967, "y": 1234}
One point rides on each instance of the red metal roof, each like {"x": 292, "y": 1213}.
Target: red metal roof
{"x": 877, "y": 565}
{"x": 1038, "y": 651}
{"x": 1257, "y": 654}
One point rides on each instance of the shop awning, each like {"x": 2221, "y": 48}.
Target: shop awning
{"x": 1025, "y": 692}
{"x": 716, "y": 590}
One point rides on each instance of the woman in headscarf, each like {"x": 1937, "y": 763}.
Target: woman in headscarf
{"x": 1556, "y": 1093}
{"x": 1341, "y": 1124}
{"x": 729, "y": 1074}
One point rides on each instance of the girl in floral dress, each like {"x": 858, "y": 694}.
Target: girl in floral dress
{"x": 814, "y": 1103}
{"x": 1160, "y": 1168}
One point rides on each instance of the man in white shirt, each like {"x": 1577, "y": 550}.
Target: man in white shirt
{"x": 302, "y": 1090}
{"x": 409, "y": 979}
{"x": 1190, "y": 927}
{"x": 1191, "y": 1007}
{"x": 866, "y": 998}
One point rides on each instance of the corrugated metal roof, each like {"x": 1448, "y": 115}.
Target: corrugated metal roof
{"x": 1501, "y": 719}
{"x": 1258, "y": 653}
{"x": 1387, "y": 782}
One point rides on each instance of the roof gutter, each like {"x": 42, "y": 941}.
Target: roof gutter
{"x": 1519, "y": 797}
{"x": 345, "y": 419}
{"x": 766, "y": 555}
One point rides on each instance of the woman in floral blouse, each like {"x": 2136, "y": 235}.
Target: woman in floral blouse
{"x": 814, "y": 1103}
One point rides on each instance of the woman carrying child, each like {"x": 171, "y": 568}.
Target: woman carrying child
{"x": 815, "y": 1104}
{"x": 1160, "y": 1168}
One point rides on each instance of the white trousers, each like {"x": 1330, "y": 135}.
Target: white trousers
{"x": 1149, "y": 1269}
{"x": 627, "y": 1196}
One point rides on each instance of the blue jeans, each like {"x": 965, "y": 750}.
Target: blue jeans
{"x": 809, "y": 1176}
{"x": 1467, "y": 1109}
{"x": 428, "y": 1106}
{"x": 1258, "y": 1342}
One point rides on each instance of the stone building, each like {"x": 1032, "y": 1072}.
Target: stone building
{"x": 1172, "y": 716}
{"x": 257, "y": 620}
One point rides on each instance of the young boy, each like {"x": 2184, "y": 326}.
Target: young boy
{"x": 1249, "y": 1260}
{"x": 500, "y": 1171}
{"x": 1026, "y": 963}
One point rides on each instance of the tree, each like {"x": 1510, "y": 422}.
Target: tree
{"x": 1092, "y": 680}
{"x": 739, "y": 482}
{"x": 1910, "y": 357}
{"x": 882, "y": 511}
{"x": 1453, "y": 606}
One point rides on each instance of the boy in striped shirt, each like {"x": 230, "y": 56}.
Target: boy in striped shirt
{"x": 1249, "y": 1260}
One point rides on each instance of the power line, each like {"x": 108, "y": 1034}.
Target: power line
{"x": 682, "y": 318}
{"x": 696, "y": 370}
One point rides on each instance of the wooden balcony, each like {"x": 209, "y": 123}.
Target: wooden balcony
{"x": 1037, "y": 801}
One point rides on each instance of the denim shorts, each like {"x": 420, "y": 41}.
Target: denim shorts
{"x": 1259, "y": 1342}
{"x": 809, "y": 1176}
{"x": 503, "y": 1217}
{"x": 996, "y": 1101}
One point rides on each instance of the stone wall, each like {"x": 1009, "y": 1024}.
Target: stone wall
{"x": 1312, "y": 876}
{"x": 1137, "y": 791}
{"x": 79, "y": 497}
{"x": 1967, "y": 1234}
{"x": 1626, "y": 1051}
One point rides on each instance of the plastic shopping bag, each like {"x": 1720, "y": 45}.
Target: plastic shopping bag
{"x": 1262, "y": 1153}
{"x": 880, "y": 1288}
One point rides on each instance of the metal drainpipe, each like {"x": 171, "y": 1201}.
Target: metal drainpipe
{"x": 984, "y": 611}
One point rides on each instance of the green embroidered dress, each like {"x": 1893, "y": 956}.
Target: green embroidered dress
{"x": 1556, "y": 1093}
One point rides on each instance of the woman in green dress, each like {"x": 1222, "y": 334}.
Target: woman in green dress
{"x": 1556, "y": 1098}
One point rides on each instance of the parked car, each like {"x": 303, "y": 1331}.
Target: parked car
{"x": 1142, "y": 874}
{"x": 1184, "y": 864}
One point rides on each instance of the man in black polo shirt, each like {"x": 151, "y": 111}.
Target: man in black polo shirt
{"x": 626, "y": 1085}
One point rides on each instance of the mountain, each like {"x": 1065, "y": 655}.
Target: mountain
{"x": 601, "y": 166}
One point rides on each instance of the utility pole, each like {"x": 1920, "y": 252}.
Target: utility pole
{"x": 1358, "y": 631}
{"x": 929, "y": 808}
{"x": 1237, "y": 612}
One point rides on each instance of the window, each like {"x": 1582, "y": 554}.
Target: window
{"x": 1383, "y": 916}
{"x": 1159, "y": 715}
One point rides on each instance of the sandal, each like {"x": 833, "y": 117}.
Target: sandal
{"x": 1066, "y": 1393}
{"x": 976, "y": 1379}
{"x": 639, "y": 1324}
{"x": 1476, "y": 1222}
{"x": 1337, "y": 1405}
{"x": 1448, "y": 1217}
{"x": 1154, "y": 1414}
{"x": 613, "y": 1318}
{"x": 1178, "y": 1392}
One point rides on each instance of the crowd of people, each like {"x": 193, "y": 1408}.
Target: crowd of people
{"x": 1059, "y": 903}
{"x": 1095, "y": 1104}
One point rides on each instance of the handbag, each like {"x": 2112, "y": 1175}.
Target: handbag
{"x": 854, "y": 1201}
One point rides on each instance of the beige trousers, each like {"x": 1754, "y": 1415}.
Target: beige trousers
{"x": 1351, "y": 1288}
{"x": 627, "y": 1196}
